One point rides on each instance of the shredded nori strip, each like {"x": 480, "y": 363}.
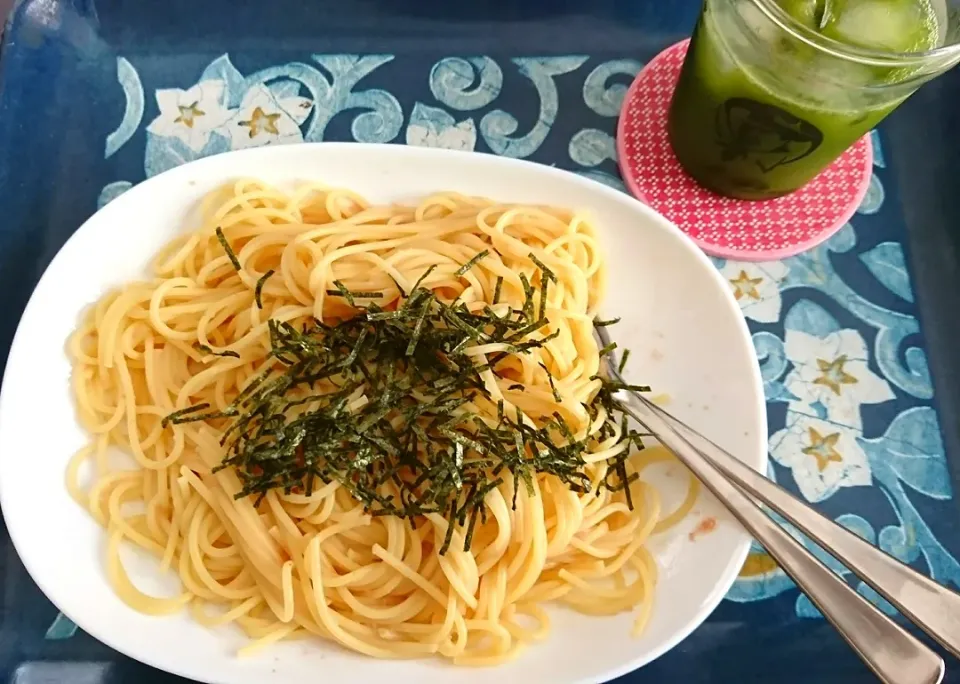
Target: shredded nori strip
{"x": 258, "y": 292}
{"x": 207, "y": 350}
{"x": 603, "y": 324}
{"x": 176, "y": 415}
{"x": 496, "y": 290}
{"x": 422, "y": 443}
{"x": 228, "y": 249}
{"x": 463, "y": 270}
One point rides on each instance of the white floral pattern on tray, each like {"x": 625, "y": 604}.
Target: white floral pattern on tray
{"x": 191, "y": 116}
{"x": 847, "y": 384}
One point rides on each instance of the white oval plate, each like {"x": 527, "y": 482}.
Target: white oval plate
{"x": 685, "y": 330}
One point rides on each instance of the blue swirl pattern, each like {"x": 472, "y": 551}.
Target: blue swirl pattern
{"x": 499, "y": 126}
{"x": 466, "y": 84}
{"x": 129, "y": 81}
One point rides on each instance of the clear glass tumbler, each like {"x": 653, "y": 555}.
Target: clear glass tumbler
{"x": 772, "y": 91}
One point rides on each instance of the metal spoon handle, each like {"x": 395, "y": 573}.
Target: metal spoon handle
{"x": 933, "y": 607}
{"x": 894, "y": 655}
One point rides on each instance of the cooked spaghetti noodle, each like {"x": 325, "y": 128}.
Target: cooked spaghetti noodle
{"x": 294, "y": 562}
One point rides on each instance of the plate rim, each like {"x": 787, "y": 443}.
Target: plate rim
{"x": 18, "y": 343}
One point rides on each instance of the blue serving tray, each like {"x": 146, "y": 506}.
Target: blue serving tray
{"x": 81, "y": 120}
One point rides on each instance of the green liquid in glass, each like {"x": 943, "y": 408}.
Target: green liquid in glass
{"x": 738, "y": 135}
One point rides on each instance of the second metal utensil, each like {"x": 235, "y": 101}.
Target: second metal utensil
{"x": 931, "y": 606}
{"x": 894, "y": 655}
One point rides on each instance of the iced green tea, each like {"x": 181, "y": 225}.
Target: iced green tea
{"x": 768, "y": 96}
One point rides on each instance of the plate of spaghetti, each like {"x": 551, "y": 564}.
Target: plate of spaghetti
{"x": 338, "y": 411}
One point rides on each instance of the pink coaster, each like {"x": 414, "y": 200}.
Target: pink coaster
{"x": 735, "y": 229}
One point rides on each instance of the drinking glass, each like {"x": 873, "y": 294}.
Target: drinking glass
{"x": 772, "y": 91}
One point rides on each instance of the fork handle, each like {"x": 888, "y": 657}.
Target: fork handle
{"x": 894, "y": 655}
{"x": 933, "y": 607}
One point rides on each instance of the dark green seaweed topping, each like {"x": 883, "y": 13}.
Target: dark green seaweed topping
{"x": 463, "y": 270}
{"x": 228, "y": 249}
{"x": 553, "y": 387}
{"x": 207, "y": 350}
{"x": 177, "y": 415}
{"x": 258, "y": 292}
{"x": 352, "y": 295}
{"x": 546, "y": 275}
{"x": 496, "y": 290}
{"x": 603, "y": 324}
{"x": 609, "y": 349}
{"x": 388, "y": 404}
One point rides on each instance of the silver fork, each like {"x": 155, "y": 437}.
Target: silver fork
{"x": 894, "y": 655}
